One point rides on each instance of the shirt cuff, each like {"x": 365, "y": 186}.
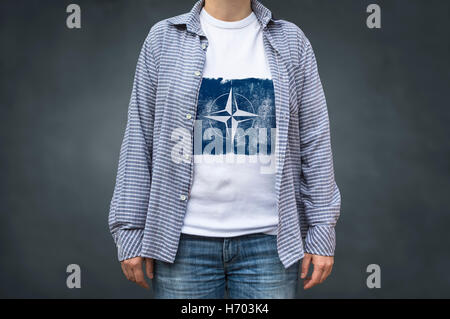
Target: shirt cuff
{"x": 128, "y": 242}
{"x": 320, "y": 240}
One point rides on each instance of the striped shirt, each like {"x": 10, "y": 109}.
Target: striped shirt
{"x": 155, "y": 170}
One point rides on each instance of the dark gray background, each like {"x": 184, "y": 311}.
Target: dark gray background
{"x": 64, "y": 98}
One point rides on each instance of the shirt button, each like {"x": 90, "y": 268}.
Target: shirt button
{"x": 197, "y": 73}
{"x": 183, "y": 197}
{"x": 203, "y": 46}
{"x": 186, "y": 156}
{"x": 188, "y": 116}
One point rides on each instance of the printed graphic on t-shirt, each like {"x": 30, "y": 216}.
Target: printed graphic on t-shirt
{"x": 235, "y": 116}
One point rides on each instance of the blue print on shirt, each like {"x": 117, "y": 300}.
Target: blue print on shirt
{"x": 236, "y": 115}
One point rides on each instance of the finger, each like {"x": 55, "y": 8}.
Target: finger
{"x": 126, "y": 272}
{"x": 139, "y": 276}
{"x": 326, "y": 273}
{"x": 315, "y": 278}
{"x": 305, "y": 265}
{"x": 130, "y": 265}
{"x": 149, "y": 267}
{"x": 307, "y": 279}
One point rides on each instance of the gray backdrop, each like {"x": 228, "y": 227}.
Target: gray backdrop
{"x": 64, "y": 98}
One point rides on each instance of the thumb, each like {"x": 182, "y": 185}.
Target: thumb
{"x": 305, "y": 265}
{"x": 149, "y": 267}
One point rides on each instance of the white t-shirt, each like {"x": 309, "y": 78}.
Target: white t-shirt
{"x": 233, "y": 190}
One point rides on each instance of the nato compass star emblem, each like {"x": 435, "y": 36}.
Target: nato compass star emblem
{"x": 232, "y": 115}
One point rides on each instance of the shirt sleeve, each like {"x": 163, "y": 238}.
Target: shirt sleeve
{"x": 129, "y": 204}
{"x": 320, "y": 195}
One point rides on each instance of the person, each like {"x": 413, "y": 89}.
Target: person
{"x": 225, "y": 179}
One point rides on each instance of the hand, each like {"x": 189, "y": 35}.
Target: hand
{"x": 322, "y": 269}
{"x": 132, "y": 269}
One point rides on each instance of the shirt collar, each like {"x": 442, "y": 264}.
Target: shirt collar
{"x": 192, "y": 18}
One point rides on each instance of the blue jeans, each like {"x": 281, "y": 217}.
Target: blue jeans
{"x": 242, "y": 267}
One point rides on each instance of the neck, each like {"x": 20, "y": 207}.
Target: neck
{"x": 228, "y": 10}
